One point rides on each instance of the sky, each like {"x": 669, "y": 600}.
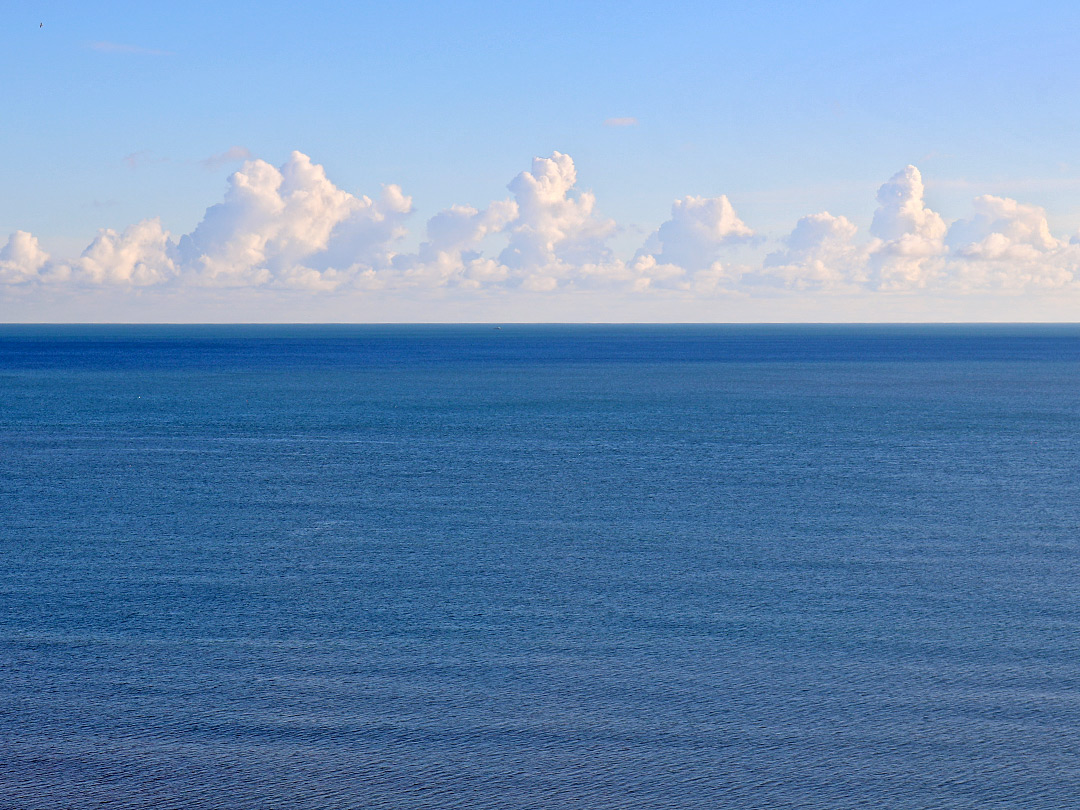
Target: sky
{"x": 586, "y": 161}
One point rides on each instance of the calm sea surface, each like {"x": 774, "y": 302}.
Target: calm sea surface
{"x": 539, "y": 567}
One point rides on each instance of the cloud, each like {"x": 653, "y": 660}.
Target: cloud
{"x": 116, "y": 47}
{"x": 142, "y": 158}
{"x": 1008, "y": 244}
{"x": 287, "y": 226}
{"x": 647, "y": 273}
{"x": 21, "y": 258}
{"x": 450, "y": 253}
{"x": 291, "y": 227}
{"x": 819, "y": 253}
{"x": 291, "y": 223}
{"x": 685, "y": 251}
{"x": 910, "y": 236}
{"x": 553, "y": 237}
{"x": 1005, "y": 245}
{"x": 363, "y": 243}
{"x": 628, "y": 121}
{"x": 140, "y": 256}
{"x": 233, "y": 154}
{"x": 556, "y": 229}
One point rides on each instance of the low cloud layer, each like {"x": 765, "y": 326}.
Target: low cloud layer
{"x": 291, "y": 227}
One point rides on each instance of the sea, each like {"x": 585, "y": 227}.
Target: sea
{"x": 540, "y": 567}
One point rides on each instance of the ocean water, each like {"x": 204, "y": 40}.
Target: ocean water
{"x": 540, "y": 567}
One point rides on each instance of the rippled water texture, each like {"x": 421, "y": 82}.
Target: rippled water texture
{"x": 539, "y": 567}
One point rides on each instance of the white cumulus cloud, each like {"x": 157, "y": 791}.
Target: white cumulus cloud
{"x": 21, "y": 258}
{"x": 699, "y": 230}
{"x": 1008, "y": 244}
{"x": 821, "y": 252}
{"x": 686, "y": 250}
{"x": 911, "y": 237}
{"x": 450, "y": 253}
{"x": 141, "y": 255}
{"x": 291, "y": 223}
{"x": 291, "y": 227}
{"x": 556, "y": 230}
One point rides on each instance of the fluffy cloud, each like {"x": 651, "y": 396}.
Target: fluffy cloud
{"x": 287, "y": 226}
{"x": 910, "y": 236}
{"x": 1004, "y": 245}
{"x": 363, "y": 243}
{"x": 699, "y": 230}
{"x": 450, "y": 253}
{"x": 291, "y": 227}
{"x": 556, "y": 230}
{"x": 141, "y": 255}
{"x": 1008, "y": 244}
{"x": 291, "y": 223}
{"x": 685, "y": 251}
{"x": 820, "y": 253}
{"x": 21, "y": 258}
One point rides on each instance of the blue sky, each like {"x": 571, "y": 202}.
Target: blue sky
{"x": 112, "y": 113}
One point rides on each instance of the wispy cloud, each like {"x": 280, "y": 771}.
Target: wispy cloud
{"x": 142, "y": 158}
{"x": 116, "y": 47}
{"x": 231, "y": 155}
{"x": 628, "y": 121}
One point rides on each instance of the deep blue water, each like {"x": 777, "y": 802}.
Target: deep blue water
{"x": 540, "y": 567}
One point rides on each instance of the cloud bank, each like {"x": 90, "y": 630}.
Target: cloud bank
{"x": 291, "y": 227}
